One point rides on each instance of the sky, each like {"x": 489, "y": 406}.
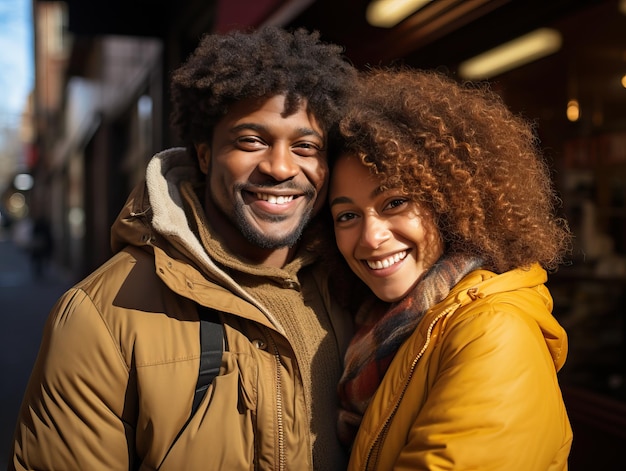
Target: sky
{"x": 16, "y": 59}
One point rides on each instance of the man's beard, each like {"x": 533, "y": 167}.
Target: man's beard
{"x": 264, "y": 240}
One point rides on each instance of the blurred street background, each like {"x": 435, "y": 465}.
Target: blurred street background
{"x": 25, "y": 299}
{"x": 84, "y": 104}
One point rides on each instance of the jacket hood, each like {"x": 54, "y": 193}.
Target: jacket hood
{"x": 155, "y": 207}
{"x": 537, "y": 300}
{"x": 154, "y": 218}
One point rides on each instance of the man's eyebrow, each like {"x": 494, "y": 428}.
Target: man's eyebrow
{"x": 310, "y": 132}
{"x": 252, "y": 126}
{"x": 303, "y": 131}
{"x": 340, "y": 200}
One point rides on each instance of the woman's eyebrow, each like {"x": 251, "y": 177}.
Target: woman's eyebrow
{"x": 340, "y": 200}
{"x": 347, "y": 200}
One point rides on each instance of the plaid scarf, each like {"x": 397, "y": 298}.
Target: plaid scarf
{"x": 380, "y": 334}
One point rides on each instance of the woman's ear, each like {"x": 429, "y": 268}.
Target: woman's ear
{"x": 203, "y": 150}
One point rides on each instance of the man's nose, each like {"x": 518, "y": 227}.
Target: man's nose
{"x": 279, "y": 163}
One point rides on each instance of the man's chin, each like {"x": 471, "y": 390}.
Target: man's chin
{"x": 271, "y": 232}
{"x": 271, "y": 238}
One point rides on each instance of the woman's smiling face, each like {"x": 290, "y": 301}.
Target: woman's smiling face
{"x": 388, "y": 241}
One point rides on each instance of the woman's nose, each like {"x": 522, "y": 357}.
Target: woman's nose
{"x": 279, "y": 163}
{"x": 375, "y": 232}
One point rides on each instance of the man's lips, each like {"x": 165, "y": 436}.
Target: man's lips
{"x": 276, "y": 199}
{"x": 275, "y": 195}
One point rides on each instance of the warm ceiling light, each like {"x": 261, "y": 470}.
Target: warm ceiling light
{"x": 624, "y": 81}
{"x": 573, "y": 111}
{"x": 388, "y": 13}
{"x": 520, "y": 51}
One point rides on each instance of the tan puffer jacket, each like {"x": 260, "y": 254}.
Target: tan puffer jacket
{"x": 113, "y": 384}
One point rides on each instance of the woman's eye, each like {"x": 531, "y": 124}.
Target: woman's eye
{"x": 397, "y": 202}
{"x": 344, "y": 217}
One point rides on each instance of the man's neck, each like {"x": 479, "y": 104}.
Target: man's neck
{"x": 277, "y": 258}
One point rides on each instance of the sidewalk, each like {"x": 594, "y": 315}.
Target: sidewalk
{"x": 24, "y": 306}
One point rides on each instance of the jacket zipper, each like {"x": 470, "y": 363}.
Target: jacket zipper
{"x": 372, "y": 454}
{"x": 279, "y": 404}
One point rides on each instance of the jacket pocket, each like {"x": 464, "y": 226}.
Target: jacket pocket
{"x": 221, "y": 434}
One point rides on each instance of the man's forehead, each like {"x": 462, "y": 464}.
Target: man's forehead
{"x": 253, "y": 108}
{"x": 291, "y": 104}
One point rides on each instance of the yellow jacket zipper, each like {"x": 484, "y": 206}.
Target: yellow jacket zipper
{"x": 372, "y": 455}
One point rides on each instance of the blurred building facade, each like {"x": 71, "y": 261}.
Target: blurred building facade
{"x": 98, "y": 106}
{"x": 100, "y": 112}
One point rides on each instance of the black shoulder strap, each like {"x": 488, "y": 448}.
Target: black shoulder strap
{"x": 211, "y": 349}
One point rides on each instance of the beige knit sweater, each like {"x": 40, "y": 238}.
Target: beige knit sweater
{"x": 304, "y": 320}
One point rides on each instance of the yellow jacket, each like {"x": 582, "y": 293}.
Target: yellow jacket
{"x": 475, "y": 386}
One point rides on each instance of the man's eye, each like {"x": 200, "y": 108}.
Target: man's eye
{"x": 250, "y": 142}
{"x": 307, "y": 148}
{"x": 248, "y": 139}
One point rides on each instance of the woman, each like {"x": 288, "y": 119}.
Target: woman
{"x": 443, "y": 207}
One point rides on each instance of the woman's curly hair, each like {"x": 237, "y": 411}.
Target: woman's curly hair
{"x": 225, "y": 69}
{"x": 458, "y": 150}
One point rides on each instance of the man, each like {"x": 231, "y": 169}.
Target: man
{"x": 218, "y": 228}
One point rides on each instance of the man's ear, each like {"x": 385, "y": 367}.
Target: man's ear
{"x": 204, "y": 156}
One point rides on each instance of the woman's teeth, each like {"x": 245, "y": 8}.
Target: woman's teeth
{"x": 275, "y": 199}
{"x": 386, "y": 263}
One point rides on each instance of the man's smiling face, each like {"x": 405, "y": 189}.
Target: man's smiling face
{"x": 266, "y": 174}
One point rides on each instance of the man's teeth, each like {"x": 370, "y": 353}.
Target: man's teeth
{"x": 274, "y": 199}
{"x": 386, "y": 263}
